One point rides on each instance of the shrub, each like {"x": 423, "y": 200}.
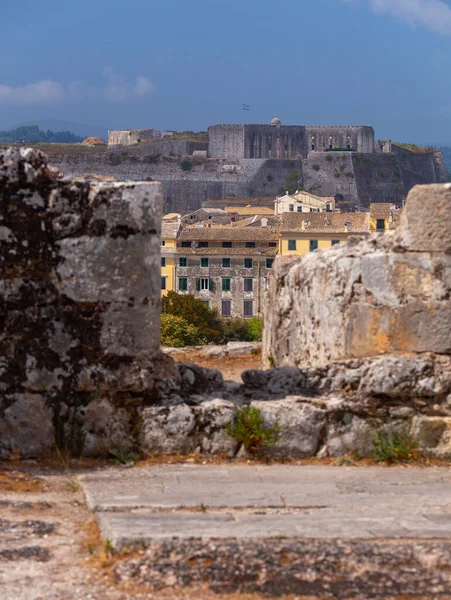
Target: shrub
{"x": 255, "y": 329}
{"x": 176, "y": 332}
{"x": 316, "y": 167}
{"x": 395, "y": 446}
{"x": 149, "y": 178}
{"x": 196, "y": 313}
{"x": 249, "y": 429}
{"x": 329, "y": 158}
{"x": 186, "y": 165}
{"x": 235, "y": 330}
{"x": 115, "y": 159}
{"x": 292, "y": 182}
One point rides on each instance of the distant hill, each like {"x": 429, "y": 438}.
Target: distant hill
{"x": 32, "y": 134}
{"x": 58, "y": 125}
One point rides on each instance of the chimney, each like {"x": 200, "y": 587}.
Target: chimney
{"x": 264, "y": 222}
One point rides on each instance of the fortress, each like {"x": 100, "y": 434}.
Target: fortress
{"x": 254, "y": 161}
{"x": 285, "y": 141}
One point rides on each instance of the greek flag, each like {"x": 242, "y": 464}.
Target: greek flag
{"x": 246, "y": 107}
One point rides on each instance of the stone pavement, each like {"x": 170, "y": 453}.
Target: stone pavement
{"x": 338, "y": 532}
{"x": 192, "y": 501}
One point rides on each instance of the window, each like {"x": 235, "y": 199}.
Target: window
{"x": 183, "y": 261}
{"x": 313, "y": 245}
{"x": 183, "y": 284}
{"x": 163, "y": 283}
{"x": 291, "y": 244}
{"x": 163, "y": 242}
{"x": 272, "y": 244}
{"x": 163, "y": 261}
{"x": 313, "y": 146}
{"x": 227, "y": 244}
{"x": 248, "y": 308}
{"x": 186, "y": 244}
{"x": 248, "y": 263}
{"x": 250, "y": 244}
{"x": 291, "y": 207}
{"x": 334, "y": 242}
{"x": 203, "y": 244}
{"x": 226, "y": 263}
{"x": 248, "y": 285}
{"x": 269, "y": 262}
{"x": 204, "y": 283}
{"x": 226, "y": 284}
{"x": 299, "y": 208}
{"x": 380, "y": 225}
{"x": 226, "y": 308}
{"x": 204, "y": 262}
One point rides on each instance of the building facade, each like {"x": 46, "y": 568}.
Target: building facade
{"x": 168, "y": 244}
{"x": 226, "y": 267}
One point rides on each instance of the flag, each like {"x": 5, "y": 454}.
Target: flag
{"x": 246, "y": 107}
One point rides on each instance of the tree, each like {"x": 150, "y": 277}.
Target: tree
{"x": 195, "y": 312}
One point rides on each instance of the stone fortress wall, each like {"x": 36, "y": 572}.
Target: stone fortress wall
{"x": 256, "y": 160}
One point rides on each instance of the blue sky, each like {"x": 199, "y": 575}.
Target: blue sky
{"x": 186, "y": 64}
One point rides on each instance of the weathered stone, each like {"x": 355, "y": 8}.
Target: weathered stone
{"x": 434, "y": 435}
{"x": 212, "y": 417}
{"x": 169, "y": 430}
{"x": 79, "y": 306}
{"x": 26, "y": 424}
{"x": 384, "y": 295}
{"x": 105, "y": 427}
{"x": 301, "y": 427}
{"x": 425, "y": 220}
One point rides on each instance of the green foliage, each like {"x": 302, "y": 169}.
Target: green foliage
{"x": 395, "y": 446}
{"x": 186, "y": 165}
{"x": 414, "y": 148}
{"x": 115, "y": 159}
{"x": 123, "y": 456}
{"x": 255, "y": 329}
{"x": 292, "y": 182}
{"x": 329, "y": 158}
{"x": 149, "y": 178}
{"x": 272, "y": 361}
{"x": 340, "y": 150}
{"x": 176, "y": 332}
{"x": 249, "y": 429}
{"x": 196, "y": 313}
{"x": 316, "y": 167}
{"x": 32, "y": 134}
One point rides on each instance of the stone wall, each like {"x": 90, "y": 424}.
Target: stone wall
{"x": 129, "y": 137}
{"x": 387, "y": 294}
{"x": 79, "y": 306}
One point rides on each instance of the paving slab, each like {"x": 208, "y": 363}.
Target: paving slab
{"x": 248, "y": 502}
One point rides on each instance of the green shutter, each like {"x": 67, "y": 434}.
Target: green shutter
{"x": 198, "y": 285}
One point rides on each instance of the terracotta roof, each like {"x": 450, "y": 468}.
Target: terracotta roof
{"x": 266, "y": 251}
{"x": 170, "y": 216}
{"x": 93, "y": 141}
{"x": 249, "y": 210}
{"x": 326, "y": 221}
{"x": 264, "y": 201}
{"x": 169, "y": 231}
{"x": 226, "y": 234}
{"x": 381, "y": 210}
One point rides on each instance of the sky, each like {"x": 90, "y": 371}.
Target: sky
{"x": 187, "y": 64}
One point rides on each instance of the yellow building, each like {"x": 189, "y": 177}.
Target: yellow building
{"x": 301, "y": 233}
{"x": 169, "y": 233}
{"x": 383, "y": 216}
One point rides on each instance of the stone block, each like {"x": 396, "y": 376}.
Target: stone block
{"x": 26, "y": 425}
{"x": 434, "y": 435}
{"x": 426, "y": 218}
{"x": 130, "y": 330}
{"x": 301, "y": 427}
{"x": 169, "y": 430}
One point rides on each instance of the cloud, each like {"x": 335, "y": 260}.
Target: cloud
{"x": 435, "y": 15}
{"x": 41, "y": 92}
{"x": 113, "y": 88}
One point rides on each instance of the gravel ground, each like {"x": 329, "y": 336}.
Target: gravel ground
{"x": 50, "y": 548}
